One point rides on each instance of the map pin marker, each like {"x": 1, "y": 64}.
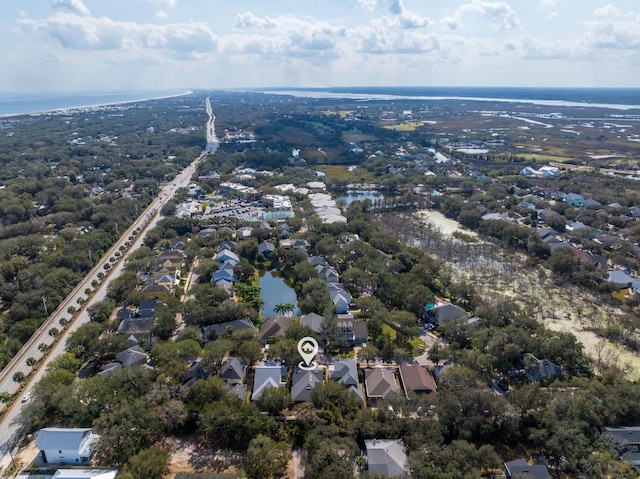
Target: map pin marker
{"x": 308, "y": 348}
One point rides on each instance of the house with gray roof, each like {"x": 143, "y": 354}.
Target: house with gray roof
{"x": 380, "y": 383}
{"x": 387, "y": 457}
{"x": 520, "y": 468}
{"x": 66, "y": 445}
{"x": 134, "y": 356}
{"x": 345, "y": 371}
{"x": 233, "y": 371}
{"x": 226, "y": 255}
{"x": 266, "y": 248}
{"x": 215, "y": 331}
{"x": 340, "y": 296}
{"x": 440, "y": 313}
{"x": 626, "y": 442}
{"x": 268, "y": 375}
{"x": 303, "y": 381}
{"x": 542, "y": 371}
{"x": 313, "y": 321}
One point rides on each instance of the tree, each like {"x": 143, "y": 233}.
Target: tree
{"x": 101, "y": 310}
{"x": 285, "y": 309}
{"x": 151, "y": 463}
{"x": 19, "y": 376}
{"x": 274, "y": 400}
{"x": 250, "y": 350}
{"x": 369, "y": 354}
{"x": 266, "y": 458}
{"x": 127, "y": 429}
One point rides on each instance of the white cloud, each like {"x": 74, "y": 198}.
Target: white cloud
{"x": 395, "y": 7}
{"x": 161, "y": 15}
{"x": 552, "y": 15}
{"x": 612, "y": 29}
{"x": 607, "y": 11}
{"x": 549, "y": 3}
{"x": 165, "y": 3}
{"x": 182, "y": 40}
{"x": 74, "y": 6}
{"x": 501, "y": 15}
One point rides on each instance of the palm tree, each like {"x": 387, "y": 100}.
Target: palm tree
{"x": 285, "y": 309}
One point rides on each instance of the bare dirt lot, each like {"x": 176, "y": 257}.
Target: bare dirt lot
{"x": 561, "y": 307}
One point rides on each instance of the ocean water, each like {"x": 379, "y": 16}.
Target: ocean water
{"x": 24, "y": 103}
{"x": 613, "y": 98}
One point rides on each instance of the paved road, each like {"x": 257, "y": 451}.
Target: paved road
{"x": 34, "y": 347}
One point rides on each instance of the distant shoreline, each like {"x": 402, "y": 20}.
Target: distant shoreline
{"x": 377, "y": 94}
{"x": 98, "y": 104}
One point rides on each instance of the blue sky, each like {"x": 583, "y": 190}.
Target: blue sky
{"x": 55, "y": 45}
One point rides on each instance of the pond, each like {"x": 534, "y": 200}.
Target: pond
{"x": 273, "y": 291}
{"x": 359, "y": 195}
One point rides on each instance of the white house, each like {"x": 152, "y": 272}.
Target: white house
{"x": 66, "y": 445}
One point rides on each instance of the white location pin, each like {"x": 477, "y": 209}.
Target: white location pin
{"x": 308, "y": 349}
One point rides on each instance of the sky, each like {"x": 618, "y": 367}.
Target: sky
{"x": 94, "y": 45}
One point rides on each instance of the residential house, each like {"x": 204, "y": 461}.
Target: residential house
{"x": 224, "y": 273}
{"x": 574, "y": 199}
{"x": 303, "y": 381}
{"x": 345, "y": 371}
{"x": 626, "y": 443}
{"x": 380, "y": 383}
{"x": 317, "y": 261}
{"x": 147, "y": 308}
{"x": 207, "y": 233}
{"x": 170, "y": 259}
{"x": 155, "y": 290}
{"x": 547, "y": 214}
{"x": 66, "y": 445}
{"x": 440, "y": 313}
{"x": 520, "y": 468}
{"x": 387, "y": 457}
{"x": 195, "y": 372}
{"x": 215, "y": 331}
{"x": 266, "y": 249}
{"x": 575, "y": 225}
{"x": 225, "y": 255}
{"x": 417, "y": 379}
{"x": 268, "y": 375}
{"x": 328, "y": 273}
{"x": 233, "y": 371}
{"x": 351, "y": 331}
{"x": 623, "y": 279}
{"x": 274, "y": 326}
{"x": 340, "y": 296}
{"x": 591, "y": 202}
{"x": 542, "y": 371}
{"x": 85, "y": 474}
{"x": 313, "y": 321}
{"x": 244, "y": 232}
{"x": 134, "y": 356}
{"x": 228, "y": 245}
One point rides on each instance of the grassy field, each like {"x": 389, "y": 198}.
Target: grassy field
{"x": 405, "y": 126}
{"x": 341, "y": 172}
{"x": 389, "y": 332}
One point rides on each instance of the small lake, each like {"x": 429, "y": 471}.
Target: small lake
{"x": 274, "y": 290}
{"x": 359, "y": 195}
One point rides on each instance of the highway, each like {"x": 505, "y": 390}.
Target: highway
{"x": 42, "y": 340}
